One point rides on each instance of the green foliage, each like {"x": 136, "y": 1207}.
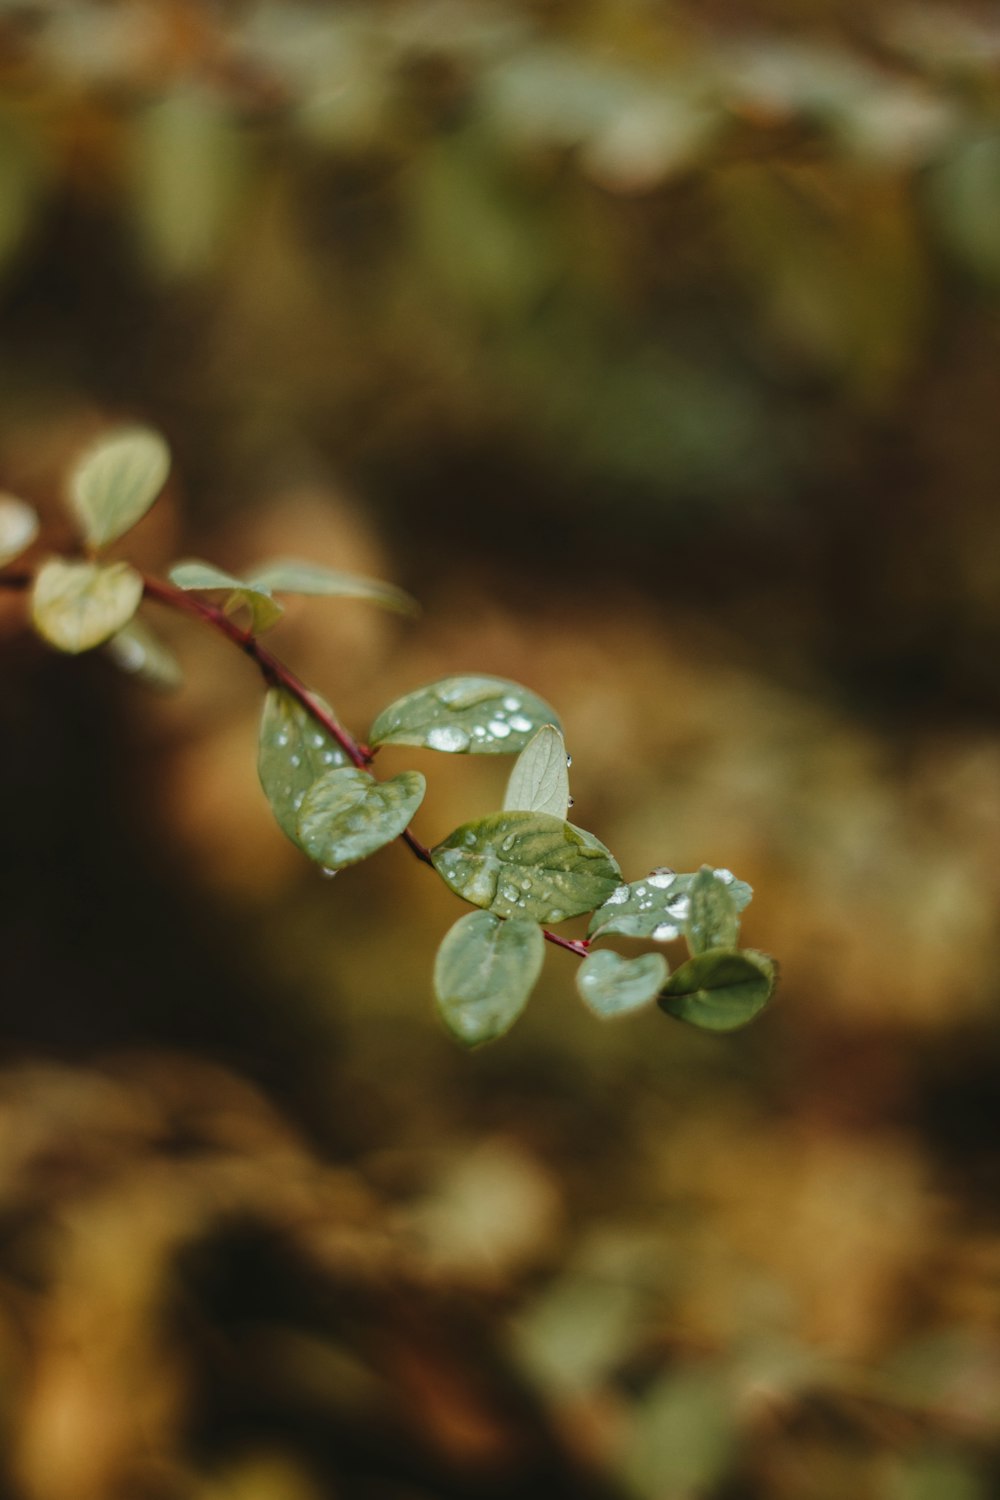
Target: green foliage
{"x": 612, "y": 986}
{"x": 523, "y": 865}
{"x": 483, "y": 974}
{"x": 116, "y": 482}
{"x": 347, "y": 814}
{"x": 539, "y": 781}
{"x": 526, "y": 864}
{"x": 77, "y": 605}
{"x": 464, "y": 715}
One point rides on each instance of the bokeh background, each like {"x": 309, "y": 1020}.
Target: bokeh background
{"x": 656, "y": 347}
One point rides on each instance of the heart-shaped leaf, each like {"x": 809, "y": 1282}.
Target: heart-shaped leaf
{"x": 293, "y": 752}
{"x": 484, "y": 973}
{"x": 612, "y": 986}
{"x": 346, "y": 815}
{"x": 116, "y": 482}
{"x": 18, "y": 528}
{"x": 712, "y": 920}
{"x": 539, "y": 781}
{"x": 720, "y": 990}
{"x": 473, "y": 715}
{"x": 520, "y": 864}
{"x": 657, "y": 907}
{"x": 77, "y": 605}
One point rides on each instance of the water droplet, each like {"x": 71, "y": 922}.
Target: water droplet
{"x": 295, "y": 760}
{"x": 522, "y": 902}
{"x": 526, "y": 885}
{"x": 726, "y": 876}
{"x": 665, "y": 932}
{"x": 569, "y": 761}
{"x": 520, "y": 723}
{"x": 448, "y": 737}
{"x": 641, "y": 891}
{"x": 618, "y": 896}
{"x": 679, "y": 907}
{"x": 508, "y": 892}
{"x": 508, "y": 843}
{"x": 510, "y": 704}
{"x": 281, "y": 739}
{"x": 572, "y": 802}
{"x": 470, "y": 839}
{"x": 662, "y": 878}
{"x": 329, "y": 756}
{"x": 480, "y": 732}
{"x": 327, "y": 873}
{"x": 319, "y": 740}
{"x": 556, "y": 914}
{"x": 499, "y": 729}
{"x": 298, "y": 800}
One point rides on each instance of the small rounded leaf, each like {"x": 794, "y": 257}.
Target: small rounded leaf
{"x": 287, "y": 576}
{"x": 484, "y": 973}
{"x": 720, "y": 990}
{"x": 712, "y": 920}
{"x": 346, "y": 815}
{"x": 612, "y": 986}
{"x": 539, "y": 781}
{"x": 470, "y": 715}
{"x": 520, "y": 864}
{"x": 18, "y": 528}
{"x": 116, "y": 482}
{"x": 77, "y": 605}
{"x": 293, "y": 752}
{"x": 137, "y": 650}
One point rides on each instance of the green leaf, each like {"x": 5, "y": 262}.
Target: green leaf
{"x": 77, "y": 605}
{"x": 287, "y": 576}
{"x": 478, "y": 715}
{"x": 141, "y": 653}
{"x": 346, "y": 815}
{"x": 521, "y": 864}
{"x": 539, "y": 781}
{"x": 657, "y": 907}
{"x": 196, "y": 576}
{"x": 483, "y": 974}
{"x": 116, "y": 482}
{"x": 721, "y": 989}
{"x": 712, "y": 921}
{"x": 611, "y": 985}
{"x": 18, "y": 528}
{"x": 293, "y": 752}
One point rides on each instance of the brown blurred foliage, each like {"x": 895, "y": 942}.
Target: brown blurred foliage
{"x": 655, "y": 348}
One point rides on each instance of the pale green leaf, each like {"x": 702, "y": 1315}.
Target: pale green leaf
{"x": 712, "y": 920}
{"x": 287, "y": 576}
{"x": 293, "y": 752}
{"x": 483, "y": 974}
{"x": 18, "y": 528}
{"x": 611, "y": 985}
{"x": 346, "y": 815}
{"x": 539, "y": 781}
{"x": 478, "y": 715}
{"x": 116, "y": 482}
{"x": 263, "y": 610}
{"x": 521, "y": 864}
{"x": 658, "y": 906}
{"x": 137, "y": 650}
{"x": 721, "y": 989}
{"x": 77, "y": 605}
{"x": 196, "y": 576}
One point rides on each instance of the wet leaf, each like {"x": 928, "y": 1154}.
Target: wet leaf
{"x": 77, "y": 605}
{"x": 612, "y": 986}
{"x": 116, "y": 482}
{"x": 484, "y": 973}
{"x": 287, "y": 576}
{"x": 18, "y": 528}
{"x": 720, "y": 990}
{"x": 712, "y": 921}
{"x": 521, "y": 864}
{"x": 474, "y": 715}
{"x": 658, "y": 906}
{"x": 293, "y": 752}
{"x": 539, "y": 781}
{"x": 139, "y": 651}
{"x": 346, "y": 815}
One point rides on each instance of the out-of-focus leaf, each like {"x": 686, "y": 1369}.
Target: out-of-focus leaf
{"x": 287, "y": 576}
{"x": 293, "y": 752}
{"x": 18, "y": 527}
{"x": 941, "y": 1475}
{"x": 196, "y": 576}
{"x": 658, "y": 906}
{"x": 139, "y": 651}
{"x": 484, "y": 973}
{"x": 188, "y": 173}
{"x": 520, "y": 864}
{"x": 539, "y": 781}
{"x": 263, "y": 610}
{"x": 116, "y": 482}
{"x": 475, "y": 715}
{"x": 712, "y": 919}
{"x": 721, "y": 989}
{"x": 964, "y": 195}
{"x": 682, "y": 1439}
{"x": 346, "y": 815}
{"x": 77, "y": 605}
{"x": 612, "y": 986}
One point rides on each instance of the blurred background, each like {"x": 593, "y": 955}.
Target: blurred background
{"x": 655, "y": 346}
